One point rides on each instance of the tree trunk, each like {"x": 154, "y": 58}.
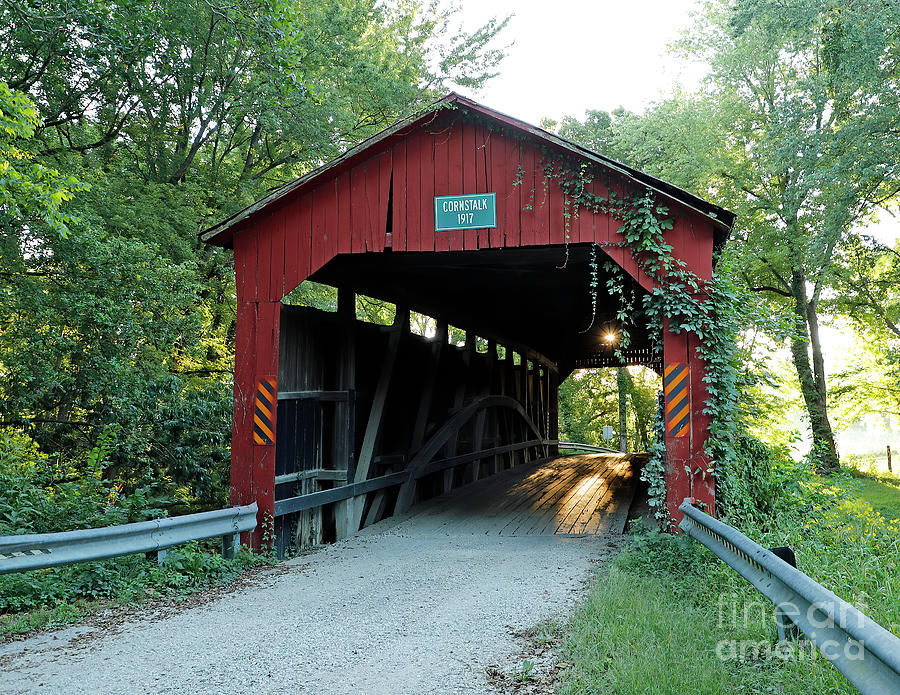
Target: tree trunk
{"x": 812, "y": 376}
{"x": 622, "y": 383}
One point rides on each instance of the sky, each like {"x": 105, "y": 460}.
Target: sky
{"x": 572, "y": 55}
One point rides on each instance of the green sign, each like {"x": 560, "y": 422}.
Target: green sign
{"x": 477, "y": 211}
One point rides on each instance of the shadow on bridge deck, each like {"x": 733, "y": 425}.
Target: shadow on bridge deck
{"x": 571, "y": 495}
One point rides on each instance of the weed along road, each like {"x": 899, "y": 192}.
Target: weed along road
{"x": 422, "y": 606}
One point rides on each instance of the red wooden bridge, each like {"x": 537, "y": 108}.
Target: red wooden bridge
{"x": 340, "y": 422}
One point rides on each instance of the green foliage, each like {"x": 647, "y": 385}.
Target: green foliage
{"x": 654, "y": 471}
{"x": 128, "y": 579}
{"x": 29, "y": 190}
{"x": 762, "y": 483}
{"x": 44, "y": 494}
{"x": 588, "y": 400}
{"x": 178, "y": 113}
{"x": 794, "y": 130}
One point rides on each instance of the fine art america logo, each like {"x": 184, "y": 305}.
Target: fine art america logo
{"x": 825, "y": 621}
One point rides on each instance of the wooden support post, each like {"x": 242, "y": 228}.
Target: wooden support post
{"x": 553, "y": 411}
{"x": 345, "y": 421}
{"x": 459, "y": 398}
{"x": 478, "y": 442}
{"x": 376, "y": 414}
{"x": 252, "y": 456}
{"x": 890, "y": 470}
{"x": 513, "y": 389}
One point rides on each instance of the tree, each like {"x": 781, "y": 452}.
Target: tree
{"x": 808, "y": 97}
{"x": 868, "y": 294}
{"x": 29, "y": 191}
{"x": 177, "y": 113}
{"x": 589, "y": 399}
{"x": 796, "y": 132}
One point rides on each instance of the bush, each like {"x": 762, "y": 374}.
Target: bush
{"x": 761, "y": 484}
{"x": 40, "y": 493}
{"x": 125, "y": 580}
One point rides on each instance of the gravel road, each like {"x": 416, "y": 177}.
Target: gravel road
{"x": 399, "y": 611}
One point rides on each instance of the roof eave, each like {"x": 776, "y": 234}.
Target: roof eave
{"x": 722, "y": 220}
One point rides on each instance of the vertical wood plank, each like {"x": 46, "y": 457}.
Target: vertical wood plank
{"x": 502, "y": 184}
{"x": 442, "y": 184}
{"x": 470, "y": 183}
{"x": 398, "y": 230}
{"x": 319, "y": 226}
{"x": 292, "y": 261}
{"x": 344, "y": 226}
{"x": 453, "y": 241}
{"x": 617, "y": 191}
{"x": 482, "y": 175}
{"x": 332, "y": 230}
{"x": 380, "y": 230}
{"x": 560, "y": 229}
{"x": 542, "y": 187}
{"x": 529, "y": 193}
{"x": 360, "y": 210}
{"x": 517, "y": 193}
{"x": 428, "y": 158}
{"x": 245, "y": 265}
{"x": 414, "y": 174}
{"x": 264, "y": 258}
{"x": 276, "y": 265}
{"x": 305, "y": 236}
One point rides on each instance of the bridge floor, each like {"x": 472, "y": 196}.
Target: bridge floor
{"x": 571, "y": 495}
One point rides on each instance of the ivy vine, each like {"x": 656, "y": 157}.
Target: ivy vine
{"x": 709, "y": 310}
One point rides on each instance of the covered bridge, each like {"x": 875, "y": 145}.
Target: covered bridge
{"x": 458, "y": 213}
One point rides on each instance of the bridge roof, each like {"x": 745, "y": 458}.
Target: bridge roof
{"x": 222, "y": 233}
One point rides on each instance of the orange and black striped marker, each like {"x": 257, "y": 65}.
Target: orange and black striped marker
{"x": 264, "y": 417}
{"x": 678, "y": 399}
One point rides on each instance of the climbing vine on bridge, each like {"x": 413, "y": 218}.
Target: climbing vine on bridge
{"x": 709, "y": 310}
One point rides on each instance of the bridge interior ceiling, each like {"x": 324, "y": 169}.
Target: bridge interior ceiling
{"x": 539, "y": 298}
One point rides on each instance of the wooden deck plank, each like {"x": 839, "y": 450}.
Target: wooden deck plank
{"x": 516, "y": 490}
{"x": 610, "y": 503}
{"x": 537, "y": 515}
{"x": 464, "y": 502}
{"x": 572, "y": 495}
{"x": 583, "y": 504}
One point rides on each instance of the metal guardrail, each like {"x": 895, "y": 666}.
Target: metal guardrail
{"x": 39, "y": 550}
{"x": 866, "y": 653}
{"x": 588, "y": 447}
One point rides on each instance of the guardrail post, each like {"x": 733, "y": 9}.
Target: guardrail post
{"x": 786, "y": 628}
{"x": 161, "y": 556}
{"x": 230, "y": 544}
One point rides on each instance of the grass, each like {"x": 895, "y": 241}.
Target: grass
{"x": 882, "y": 492}
{"x": 54, "y": 597}
{"x": 666, "y": 616}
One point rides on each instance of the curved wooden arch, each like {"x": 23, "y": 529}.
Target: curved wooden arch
{"x": 420, "y": 460}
